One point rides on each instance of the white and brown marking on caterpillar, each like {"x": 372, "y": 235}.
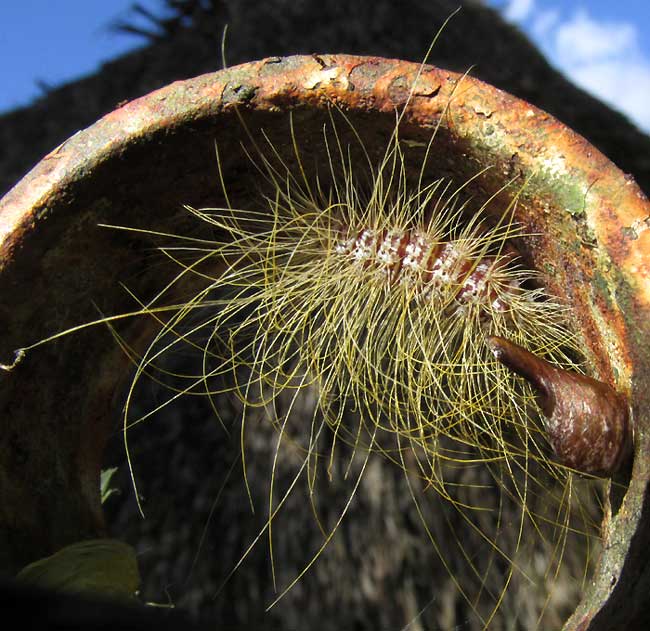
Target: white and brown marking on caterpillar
{"x": 418, "y": 261}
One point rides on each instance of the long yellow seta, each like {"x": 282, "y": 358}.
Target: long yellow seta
{"x": 373, "y": 292}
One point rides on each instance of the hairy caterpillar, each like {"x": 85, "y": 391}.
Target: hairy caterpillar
{"x": 383, "y": 301}
{"x": 371, "y": 291}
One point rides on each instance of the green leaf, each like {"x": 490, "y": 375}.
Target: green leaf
{"x": 98, "y": 566}
{"x": 105, "y": 480}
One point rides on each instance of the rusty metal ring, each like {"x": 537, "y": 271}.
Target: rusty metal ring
{"x": 590, "y": 238}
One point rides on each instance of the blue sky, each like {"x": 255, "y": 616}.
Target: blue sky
{"x": 600, "y": 45}
{"x": 603, "y": 46}
{"x": 56, "y": 41}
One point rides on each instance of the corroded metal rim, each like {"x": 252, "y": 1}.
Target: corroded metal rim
{"x": 588, "y": 220}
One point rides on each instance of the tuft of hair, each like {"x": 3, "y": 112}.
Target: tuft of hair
{"x": 348, "y": 304}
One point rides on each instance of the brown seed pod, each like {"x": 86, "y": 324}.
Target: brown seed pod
{"x": 588, "y": 422}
